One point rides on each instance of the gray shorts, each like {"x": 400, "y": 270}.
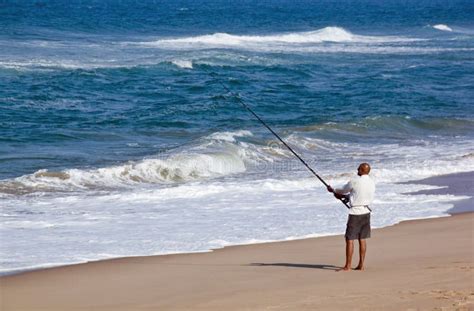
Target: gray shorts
{"x": 358, "y": 227}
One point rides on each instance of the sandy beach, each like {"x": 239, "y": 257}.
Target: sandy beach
{"x": 424, "y": 264}
{"x": 414, "y": 265}
{"x": 177, "y": 155}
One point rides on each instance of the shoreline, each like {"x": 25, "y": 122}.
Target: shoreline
{"x": 449, "y": 183}
{"x": 21, "y": 271}
{"x": 195, "y": 281}
{"x": 282, "y": 275}
{"x": 457, "y": 184}
{"x": 414, "y": 264}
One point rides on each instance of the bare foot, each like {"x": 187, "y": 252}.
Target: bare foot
{"x": 344, "y": 269}
{"x": 359, "y": 268}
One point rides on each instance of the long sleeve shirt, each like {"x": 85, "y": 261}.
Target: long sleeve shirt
{"x": 361, "y": 190}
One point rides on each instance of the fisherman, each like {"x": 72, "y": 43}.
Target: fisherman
{"x": 360, "y": 192}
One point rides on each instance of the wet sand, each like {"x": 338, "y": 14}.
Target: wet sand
{"x": 459, "y": 184}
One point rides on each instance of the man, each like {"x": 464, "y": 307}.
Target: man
{"x": 360, "y": 191}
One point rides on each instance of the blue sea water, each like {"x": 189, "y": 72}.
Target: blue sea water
{"x": 118, "y": 139}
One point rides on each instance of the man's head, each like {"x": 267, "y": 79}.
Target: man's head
{"x": 364, "y": 169}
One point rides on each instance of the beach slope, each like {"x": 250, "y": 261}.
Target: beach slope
{"x": 420, "y": 264}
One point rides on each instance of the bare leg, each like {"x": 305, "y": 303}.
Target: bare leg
{"x": 349, "y": 252}
{"x": 362, "y": 250}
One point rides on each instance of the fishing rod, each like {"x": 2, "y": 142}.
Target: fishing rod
{"x": 240, "y": 100}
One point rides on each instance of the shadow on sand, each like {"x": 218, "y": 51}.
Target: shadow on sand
{"x": 296, "y": 265}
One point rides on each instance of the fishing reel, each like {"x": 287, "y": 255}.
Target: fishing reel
{"x": 345, "y": 199}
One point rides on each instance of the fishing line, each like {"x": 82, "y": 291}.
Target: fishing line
{"x": 240, "y": 100}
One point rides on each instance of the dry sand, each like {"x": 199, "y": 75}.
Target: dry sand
{"x": 415, "y": 265}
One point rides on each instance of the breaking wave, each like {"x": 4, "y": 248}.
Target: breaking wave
{"x": 226, "y": 153}
{"x": 186, "y": 64}
{"x": 216, "y": 155}
{"x": 443, "y": 27}
{"x": 177, "y": 168}
{"x": 327, "y": 34}
{"x": 210, "y": 49}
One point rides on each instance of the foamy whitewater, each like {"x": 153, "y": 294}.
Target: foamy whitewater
{"x": 115, "y": 139}
{"x": 442, "y": 27}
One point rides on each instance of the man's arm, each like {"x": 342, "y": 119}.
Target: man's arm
{"x": 346, "y": 189}
{"x": 341, "y": 192}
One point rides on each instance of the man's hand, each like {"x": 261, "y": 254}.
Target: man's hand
{"x": 336, "y": 195}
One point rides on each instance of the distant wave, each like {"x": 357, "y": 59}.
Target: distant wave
{"x": 213, "y": 49}
{"x": 396, "y": 125}
{"x": 327, "y": 34}
{"x": 442, "y": 27}
{"x": 54, "y": 64}
{"x": 215, "y": 58}
{"x": 51, "y": 64}
{"x": 187, "y": 64}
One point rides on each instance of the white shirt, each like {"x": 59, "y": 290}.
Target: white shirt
{"x": 361, "y": 191}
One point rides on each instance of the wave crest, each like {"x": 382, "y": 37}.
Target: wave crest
{"x": 185, "y": 64}
{"x": 179, "y": 168}
{"x": 225, "y": 153}
{"x": 327, "y": 34}
{"x": 216, "y": 155}
{"x": 443, "y": 27}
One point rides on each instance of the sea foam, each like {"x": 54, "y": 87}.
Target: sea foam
{"x": 227, "y": 153}
{"x": 218, "y": 154}
{"x": 175, "y": 169}
{"x": 442, "y": 27}
{"x": 183, "y": 63}
{"x": 327, "y": 34}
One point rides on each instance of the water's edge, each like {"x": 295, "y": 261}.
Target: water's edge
{"x": 458, "y": 184}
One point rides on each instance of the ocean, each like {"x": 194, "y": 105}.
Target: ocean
{"x": 118, "y": 139}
